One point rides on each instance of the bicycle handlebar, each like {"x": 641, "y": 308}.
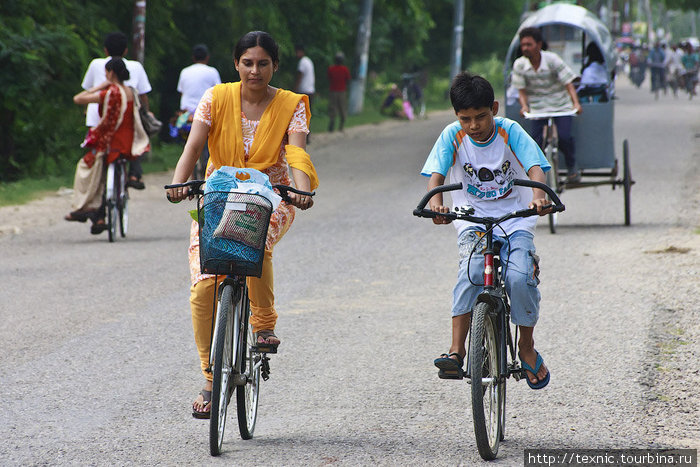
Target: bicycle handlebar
{"x": 196, "y": 189}
{"x": 420, "y": 211}
{"x": 543, "y": 115}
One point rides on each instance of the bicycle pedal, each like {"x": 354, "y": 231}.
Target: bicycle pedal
{"x": 264, "y": 348}
{"x": 451, "y": 374}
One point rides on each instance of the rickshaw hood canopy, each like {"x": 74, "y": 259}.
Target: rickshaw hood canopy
{"x": 575, "y": 17}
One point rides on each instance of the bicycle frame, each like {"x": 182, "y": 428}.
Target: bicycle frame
{"x": 114, "y": 169}
{"x": 494, "y": 294}
{"x": 239, "y": 286}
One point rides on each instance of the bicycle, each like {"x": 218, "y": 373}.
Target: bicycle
{"x": 491, "y": 357}
{"x": 237, "y": 362}
{"x": 412, "y": 93}
{"x": 179, "y": 130}
{"x": 116, "y": 199}
{"x": 551, "y": 152}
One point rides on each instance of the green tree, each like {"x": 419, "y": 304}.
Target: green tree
{"x": 46, "y": 45}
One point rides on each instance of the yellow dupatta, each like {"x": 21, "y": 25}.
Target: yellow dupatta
{"x": 226, "y": 132}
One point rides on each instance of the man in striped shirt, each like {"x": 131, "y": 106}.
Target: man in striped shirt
{"x": 545, "y": 85}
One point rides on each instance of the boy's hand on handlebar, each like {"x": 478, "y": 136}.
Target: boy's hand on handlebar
{"x": 441, "y": 219}
{"x": 303, "y": 202}
{"x": 539, "y": 204}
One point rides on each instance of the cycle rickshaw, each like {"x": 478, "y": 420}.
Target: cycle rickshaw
{"x": 569, "y": 30}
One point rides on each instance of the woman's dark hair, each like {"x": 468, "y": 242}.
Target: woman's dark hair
{"x": 470, "y": 91}
{"x": 117, "y": 65}
{"x": 594, "y": 54}
{"x": 257, "y": 38}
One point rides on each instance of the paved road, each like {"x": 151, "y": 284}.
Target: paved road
{"x": 98, "y": 365}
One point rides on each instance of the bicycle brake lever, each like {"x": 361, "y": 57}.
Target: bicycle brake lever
{"x": 466, "y": 210}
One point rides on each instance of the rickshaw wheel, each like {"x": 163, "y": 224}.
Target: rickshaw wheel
{"x": 627, "y": 180}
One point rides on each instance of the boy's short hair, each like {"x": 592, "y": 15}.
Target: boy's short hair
{"x": 116, "y": 43}
{"x": 533, "y": 32}
{"x": 470, "y": 91}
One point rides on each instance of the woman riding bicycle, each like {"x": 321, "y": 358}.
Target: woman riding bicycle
{"x": 118, "y": 134}
{"x": 249, "y": 124}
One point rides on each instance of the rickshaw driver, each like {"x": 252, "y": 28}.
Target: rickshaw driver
{"x": 545, "y": 85}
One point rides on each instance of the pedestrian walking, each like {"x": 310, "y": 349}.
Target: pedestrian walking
{"x": 338, "y": 79}
{"x": 305, "y": 82}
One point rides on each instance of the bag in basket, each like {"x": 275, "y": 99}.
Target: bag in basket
{"x": 244, "y": 220}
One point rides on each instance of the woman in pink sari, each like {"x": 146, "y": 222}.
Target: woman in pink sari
{"x": 119, "y": 133}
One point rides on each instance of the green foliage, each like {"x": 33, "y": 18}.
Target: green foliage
{"x": 685, "y": 5}
{"x": 46, "y": 45}
{"x": 490, "y": 68}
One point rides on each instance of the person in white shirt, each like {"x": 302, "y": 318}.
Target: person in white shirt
{"x": 196, "y": 78}
{"x": 594, "y": 76}
{"x": 305, "y": 82}
{"x": 115, "y": 45}
{"x": 545, "y": 85}
{"x": 193, "y": 82}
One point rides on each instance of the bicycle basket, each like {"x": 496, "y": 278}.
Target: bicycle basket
{"x": 232, "y": 232}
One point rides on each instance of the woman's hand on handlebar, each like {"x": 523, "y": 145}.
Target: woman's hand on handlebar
{"x": 443, "y": 210}
{"x": 175, "y": 195}
{"x": 303, "y": 202}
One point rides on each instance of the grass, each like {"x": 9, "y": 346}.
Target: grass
{"x": 27, "y": 190}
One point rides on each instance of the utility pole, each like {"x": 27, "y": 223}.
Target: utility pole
{"x": 650, "y": 22}
{"x": 457, "y": 37}
{"x": 364, "y": 34}
{"x": 138, "y": 27}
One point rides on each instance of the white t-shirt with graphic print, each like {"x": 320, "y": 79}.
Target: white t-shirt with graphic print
{"x": 487, "y": 170}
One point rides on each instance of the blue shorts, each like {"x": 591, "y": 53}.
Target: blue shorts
{"x": 521, "y": 266}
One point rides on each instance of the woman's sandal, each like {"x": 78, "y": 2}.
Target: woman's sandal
{"x": 206, "y": 397}
{"x": 98, "y": 227}
{"x": 80, "y": 215}
{"x": 262, "y": 341}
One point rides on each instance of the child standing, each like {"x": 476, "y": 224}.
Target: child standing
{"x": 486, "y": 153}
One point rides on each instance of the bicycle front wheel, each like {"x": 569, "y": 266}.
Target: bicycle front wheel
{"x": 487, "y": 392}
{"x": 112, "y": 219}
{"x": 247, "y": 394}
{"x": 225, "y": 337}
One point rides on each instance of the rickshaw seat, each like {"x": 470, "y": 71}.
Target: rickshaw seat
{"x": 598, "y": 93}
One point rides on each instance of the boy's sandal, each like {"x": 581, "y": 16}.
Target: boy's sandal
{"x": 206, "y": 413}
{"x": 450, "y": 368}
{"x": 445, "y": 362}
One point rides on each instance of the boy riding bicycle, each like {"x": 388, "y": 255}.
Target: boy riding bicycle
{"x": 486, "y": 153}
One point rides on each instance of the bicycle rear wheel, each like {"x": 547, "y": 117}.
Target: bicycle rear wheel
{"x": 487, "y": 393}
{"x": 247, "y": 394}
{"x": 111, "y": 200}
{"x": 225, "y": 339}
{"x": 123, "y": 202}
